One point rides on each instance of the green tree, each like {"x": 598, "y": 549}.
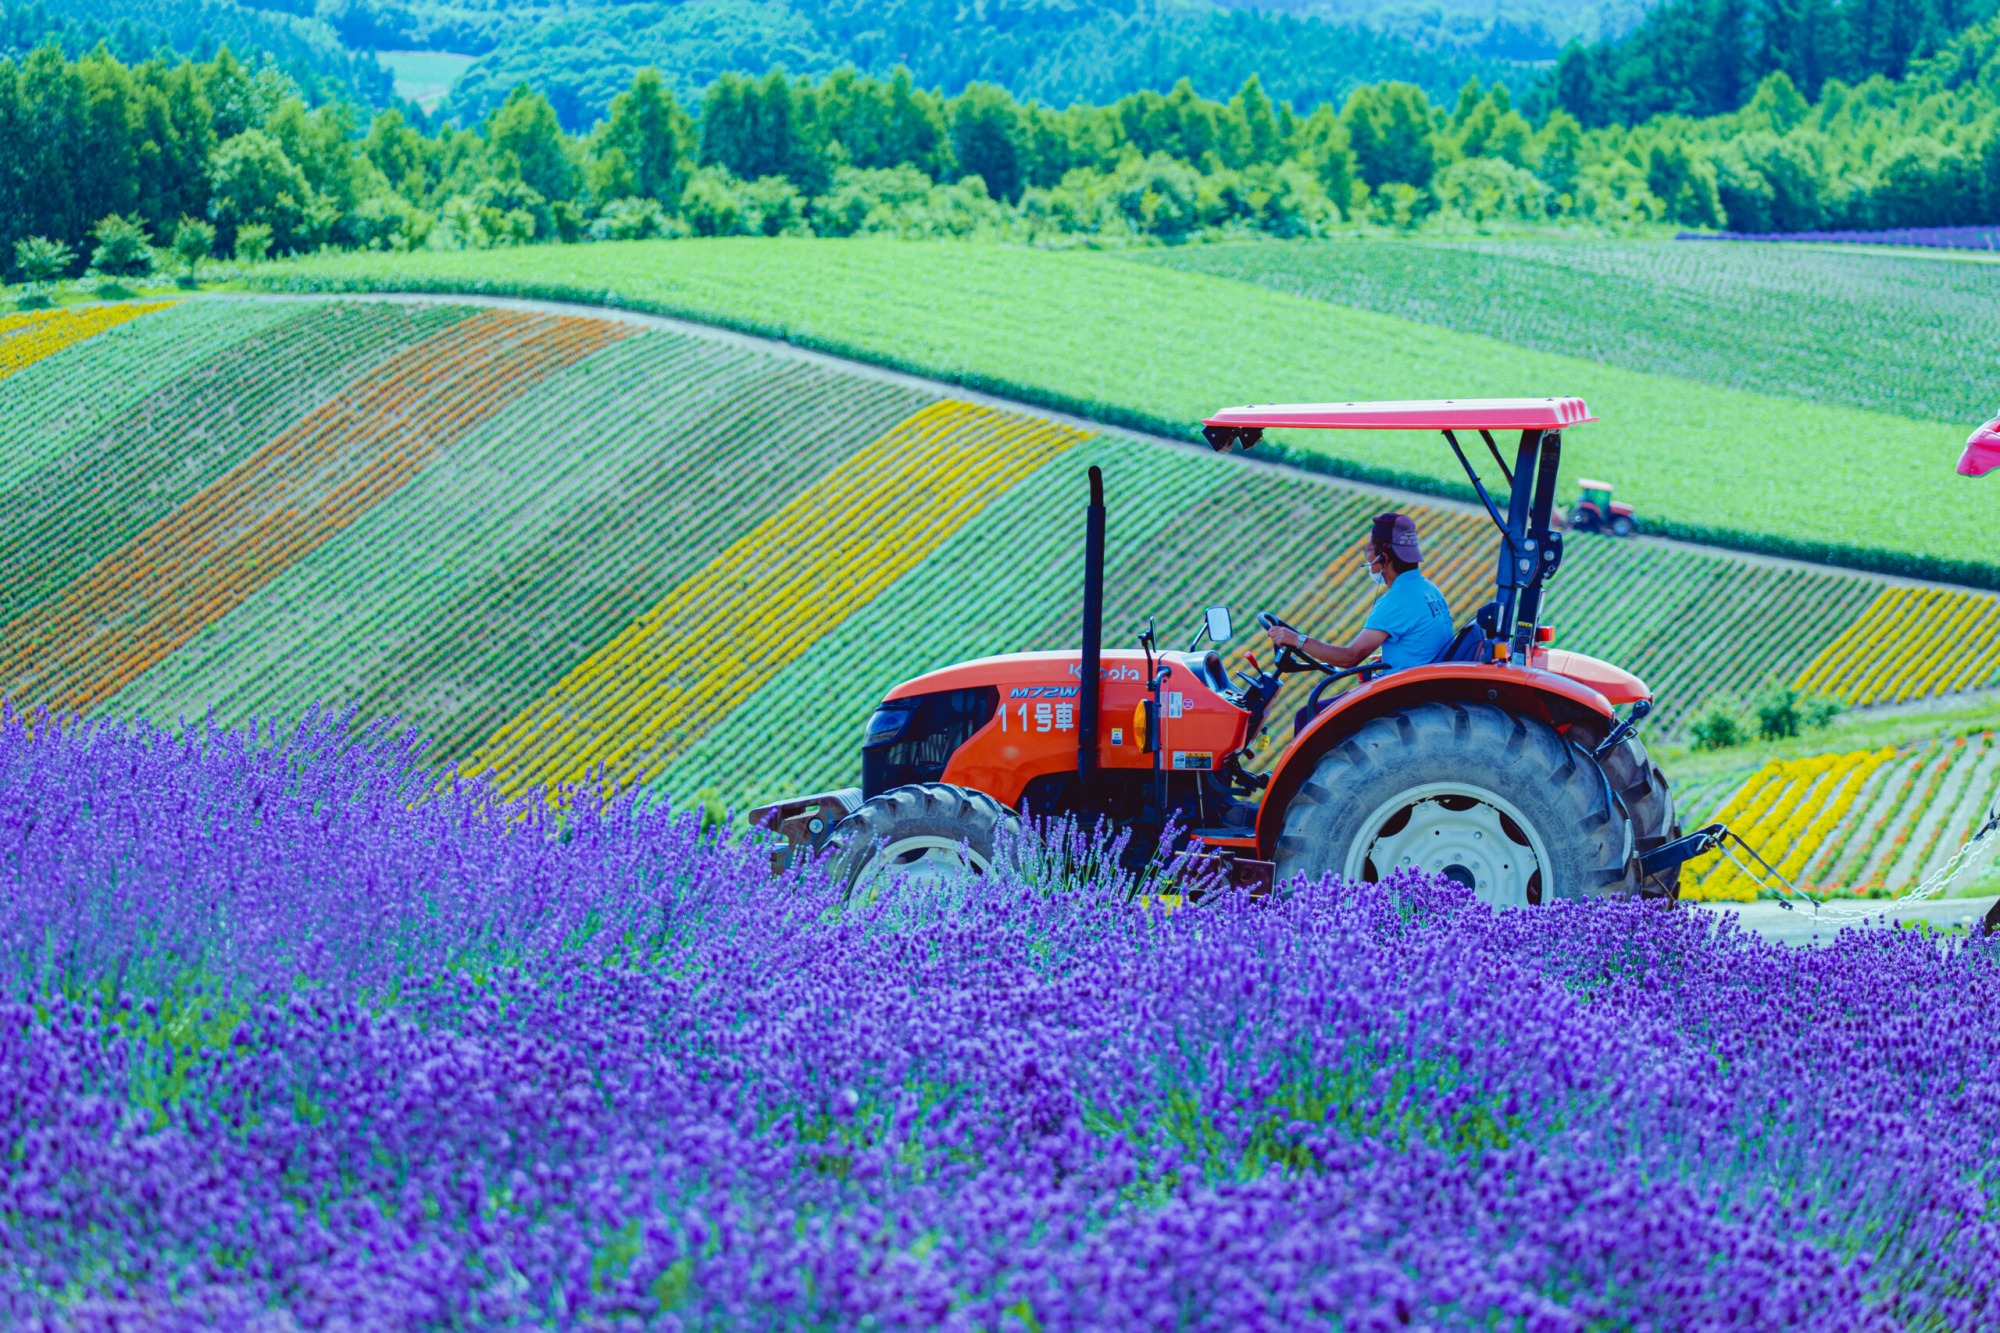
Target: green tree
{"x": 1776, "y": 106}
{"x": 525, "y": 130}
{"x": 1490, "y": 127}
{"x": 1159, "y": 195}
{"x": 252, "y": 180}
{"x": 989, "y": 140}
{"x": 194, "y": 241}
{"x": 1320, "y": 143}
{"x": 253, "y": 242}
{"x": 1920, "y": 182}
{"x": 1685, "y": 184}
{"x": 402, "y": 154}
{"x": 651, "y": 135}
{"x": 124, "y": 250}
{"x": 42, "y": 259}
{"x": 1719, "y": 726}
{"x": 1256, "y": 119}
{"x": 882, "y": 125}
{"x": 1556, "y": 155}
{"x": 176, "y": 134}
{"x": 759, "y": 127}
{"x": 1389, "y": 127}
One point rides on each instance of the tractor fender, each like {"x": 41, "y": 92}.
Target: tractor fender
{"x": 1543, "y": 695}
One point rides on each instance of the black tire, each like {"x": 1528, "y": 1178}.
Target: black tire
{"x": 1502, "y": 802}
{"x": 904, "y": 825}
{"x": 1650, "y": 801}
{"x": 1622, "y": 526}
{"x": 1583, "y": 519}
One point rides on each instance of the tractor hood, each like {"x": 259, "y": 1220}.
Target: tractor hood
{"x": 1030, "y": 720}
{"x": 1046, "y": 669}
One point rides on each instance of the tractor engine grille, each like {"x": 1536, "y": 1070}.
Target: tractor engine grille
{"x": 911, "y": 740}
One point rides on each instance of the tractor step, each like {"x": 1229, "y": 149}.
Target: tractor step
{"x": 804, "y": 822}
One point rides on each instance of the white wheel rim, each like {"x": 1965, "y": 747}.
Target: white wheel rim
{"x": 921, "y": 858}
{"x": 1462, "y": 831}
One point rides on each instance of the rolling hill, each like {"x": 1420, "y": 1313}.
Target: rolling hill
{"x": 561, "y": 544}
{"x": 1145, "y": 345}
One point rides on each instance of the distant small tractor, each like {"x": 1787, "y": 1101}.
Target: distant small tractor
{"x": 1503, "y": 765}
{"x": 1596, "y": 511}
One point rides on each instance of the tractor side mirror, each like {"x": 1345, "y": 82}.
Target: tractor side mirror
{"x": 1218, "y": 623}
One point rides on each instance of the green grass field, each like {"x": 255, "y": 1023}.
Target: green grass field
{"x": 425, "y": 77}
{"x": 1149, "y": 345}
{"x": 1877, "y": 331}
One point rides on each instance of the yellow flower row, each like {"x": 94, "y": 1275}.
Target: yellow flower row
{"x": 632, "y": 706}
{"x": 26, "y": 339}
{"x": 1790, "y": 811}
{"x": 1910, "y": 643}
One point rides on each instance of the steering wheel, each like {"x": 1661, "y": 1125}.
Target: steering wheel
{"x": 1289, "y": 659}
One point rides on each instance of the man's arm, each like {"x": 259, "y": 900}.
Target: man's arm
{"x": 1333, "y": 654}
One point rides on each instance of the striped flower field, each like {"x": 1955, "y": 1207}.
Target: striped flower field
{"x": 1862, "y": 823}
{"x": 556, "y": 545}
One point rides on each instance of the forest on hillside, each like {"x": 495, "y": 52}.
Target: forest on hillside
{"x": 102, "y": 159}
{"x": 580, "y": 55}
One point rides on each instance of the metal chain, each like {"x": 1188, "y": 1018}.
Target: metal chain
{"x": 1974, "y": 850}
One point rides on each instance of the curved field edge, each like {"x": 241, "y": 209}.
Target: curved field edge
{"x": 748, "y": 300}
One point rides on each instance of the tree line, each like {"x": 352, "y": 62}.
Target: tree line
{"x": 1707, "y": 57}
{"x": 163, "y": 146}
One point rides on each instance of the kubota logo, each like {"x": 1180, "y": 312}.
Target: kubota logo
{"x": 1107, "y": 672}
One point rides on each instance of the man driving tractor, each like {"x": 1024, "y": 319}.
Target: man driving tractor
{"x": 1411, "y": 622}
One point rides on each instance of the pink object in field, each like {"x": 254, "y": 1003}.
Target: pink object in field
{"x": 1982, "y": 451}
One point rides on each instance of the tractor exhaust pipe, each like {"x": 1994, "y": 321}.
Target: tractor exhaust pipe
{"x": 1089, "y": 700}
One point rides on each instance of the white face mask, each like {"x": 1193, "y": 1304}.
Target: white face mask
{"x": 1375, "y": 575}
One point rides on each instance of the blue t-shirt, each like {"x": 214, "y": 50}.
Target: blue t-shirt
{"x": 1417, "y": 619}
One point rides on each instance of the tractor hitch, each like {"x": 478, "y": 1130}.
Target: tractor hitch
{"x": 1622, "y": 733}
{"x": 1712, "y": 839}
{"x": 1683, "y": 849}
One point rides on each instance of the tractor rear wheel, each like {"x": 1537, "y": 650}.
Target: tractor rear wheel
{"x": 926, "y": 832}
{"x": 1496, "y": 801}
{"x": 1643, "y": 788}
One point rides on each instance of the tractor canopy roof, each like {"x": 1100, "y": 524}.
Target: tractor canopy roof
{"x": 1421, "y": 414}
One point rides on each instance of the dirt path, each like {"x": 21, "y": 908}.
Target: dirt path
{"x": 1798, "y": 926}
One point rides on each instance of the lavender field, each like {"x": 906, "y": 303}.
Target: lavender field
{"x": 290, "y": 1038}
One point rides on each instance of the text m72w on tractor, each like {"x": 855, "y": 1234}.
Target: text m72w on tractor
{"x": 1504, "y": 764}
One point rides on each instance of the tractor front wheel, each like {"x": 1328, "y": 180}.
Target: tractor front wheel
{"x": 927, "y": 832}
{"x": 1496, "y": 801}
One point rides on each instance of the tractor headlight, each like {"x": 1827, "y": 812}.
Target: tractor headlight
{"x": 887, "y": 724}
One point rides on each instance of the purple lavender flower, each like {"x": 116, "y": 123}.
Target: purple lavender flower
{"x": 292, "y": 1034}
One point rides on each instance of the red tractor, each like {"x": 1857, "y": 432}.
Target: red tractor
{"x": 1503, "y": 765}
{"x": 1596, "y": 511}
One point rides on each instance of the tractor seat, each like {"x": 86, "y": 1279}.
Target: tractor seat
{"x": 1472, "y": 644}
{"x": 1468, "y": 645}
